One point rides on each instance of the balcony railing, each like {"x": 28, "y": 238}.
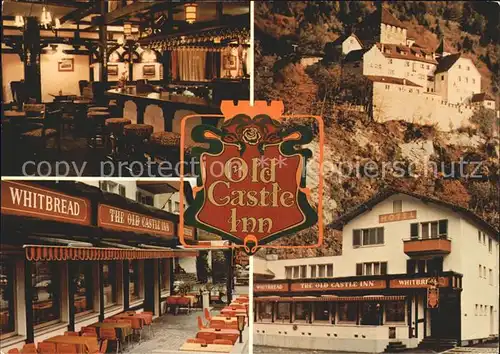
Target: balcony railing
{"x": 427, "y": 246}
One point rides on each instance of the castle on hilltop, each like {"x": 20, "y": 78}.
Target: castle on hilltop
{"x": 410, "y": 82}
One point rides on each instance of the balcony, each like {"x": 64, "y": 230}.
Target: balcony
{"x": 427, "y": 246}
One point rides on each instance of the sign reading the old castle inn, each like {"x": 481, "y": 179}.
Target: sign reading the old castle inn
{"x": 339, "y": 285}
{"x": 404, "y": 215}
{"x": 24, "y": 199}
{"x": 113, "y": 218}
{"x": 251, "y": 186}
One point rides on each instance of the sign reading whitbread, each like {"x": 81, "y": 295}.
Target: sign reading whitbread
{"x": 113, "y": 218}
{"x": 24, "y": 199}
{"x": 417, "y": 283}
{"x": 339, "y": 285}
{"x": 270, "y": 287}
{"x": 404, "y": 215}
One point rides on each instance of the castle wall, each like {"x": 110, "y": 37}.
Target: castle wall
{"x": 413, "y": 104}
{"x": 392, "y": 35}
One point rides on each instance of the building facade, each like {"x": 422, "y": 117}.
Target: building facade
{"x": 401, "y": 254}
{"x": 448, "y": 84}
{"x": 74, "y": 254}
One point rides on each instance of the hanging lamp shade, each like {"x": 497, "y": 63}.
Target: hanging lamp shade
{"x": 190, "y": 12}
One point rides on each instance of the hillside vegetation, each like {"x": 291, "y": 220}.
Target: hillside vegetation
{"x": 352, "y": 139}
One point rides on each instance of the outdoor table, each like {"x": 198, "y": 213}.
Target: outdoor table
{"x": 84, "y": 344}
{"x": 62, "y": 97}
{"x": 210, "y": 348}
{"x": 146, "y": 318}
{"x": 14, "y": 114}
{"x": 221, "y": 332}
{"x": 123, "y": 329}
{"x": 191, "y": 298}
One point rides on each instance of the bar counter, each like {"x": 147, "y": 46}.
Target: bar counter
{"x": 167, "y": 101}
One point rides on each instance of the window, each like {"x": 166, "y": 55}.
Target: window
{"x": 164, "y": 275}
{"x": 491, "y": 276}
{"x": 473, "y": 81}
{"x": 84, "y": 286}
{"x": 135, "y": 281}
{"x": 348, "y": 311}
{"x": 390, "y": 61}
{"x": 484, "y": 238}
{"x": 7, "y": 300}
{"x": 321, "y": 270}
{"x": 313, "y": 271}
{"x": 303, "y": 271}
{"x": 480, "y": 271}
{"x": 301, "y": 311}
{"x": 395, "y": 311}
{"x": 176, "y": 209}
{"x": 321, "y": 311}
{"x": 387, "y": 87}
{"x": 371, "y": 313}
{"x": 407, "y": 63}
{"x": 45, "y": 279}
{"x": 397, "y": 206}
{"x": 112, "y": 187}
{"x": 442, "y": 77}
{"x": 421, "y": 66}
{"x": 371, "y": 268}
{"x": 283, "y": 312}
{"x": 459, "y": 78}
{"x": 169, "y": 205}
{"x": 144, "y": 198}
{"x": 428, "y": 67}
{"x": 295, "y": 272}
{"x": 431, "y": 229}
{"x": 460, "y": 66}
{"x": 479, "y": 236}
{"x": 288, "y": 272}
{"x": 490, "y": 245}
{"x": 265, "y": 311}
{"x": 476, "y": 309}
{"x": 365, "y": 237}
{"x": 329, "y": 270}
{"x": 468, "y": 68}
{"x": 110, "y": 283}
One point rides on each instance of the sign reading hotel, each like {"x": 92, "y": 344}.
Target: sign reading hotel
{"x": 417, "y": 283}
{"x": 24, "y": 199}
{"x": 404, "y": 215}
{"x": 269, "y": 288}
{"x": 251, "y": 188}
{"x": 339, "y": 285}
{"x": 113, "y": 218}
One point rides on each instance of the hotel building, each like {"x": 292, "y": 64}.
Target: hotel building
{"x": 414, "y": 272}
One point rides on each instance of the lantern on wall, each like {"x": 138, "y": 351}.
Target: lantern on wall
{"x": 190, "y": 12}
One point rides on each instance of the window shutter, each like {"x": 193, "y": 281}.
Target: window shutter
{"x": 414, "y": 230}
{"x": 359, "y": 269}
{"x": 443, "y": 228}
{"x": 380, "y": 236}
{"x": 356, "y": 238}
{"x": 383, "y": 268}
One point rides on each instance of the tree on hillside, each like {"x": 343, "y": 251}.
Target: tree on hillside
{"x": 486, "y": 121}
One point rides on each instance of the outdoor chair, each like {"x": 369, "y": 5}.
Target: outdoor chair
{"x": 137, "y": 325}
{"x": 229, "y": 336}
{"x": 109, "y": 334}
{"x": 104, "y": 347}
{"x": 13, "y": 351}
{"x": 91, "y": 330}
{"x": 217, "y": 324}
{"x": 172, "y": 304}
{"x": 196, "y": 340}
{"x": 70, "y": 333}
{"x": 185, "y": 303}
{"x": 200, "y": 324}
{"x": 109, "y": 320}
{"x": 209, "y": 337}
{"x": 65, "y": 348}
{"x": 223, "y": 341}
{"x": 47, "y": 348}
{"x": 89, "y": 334}
{"x": 29, "y": 348}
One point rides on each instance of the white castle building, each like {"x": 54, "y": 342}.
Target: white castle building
{"x": 410, "y": 82}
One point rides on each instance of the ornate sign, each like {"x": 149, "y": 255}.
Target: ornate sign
{"x": 417, "y": 282}
{"x": 113, "y": 218}
{"x": 432, "y": 297}
{"x": 189, "y": 232}
{"x": 339, "y": 285}
{"x": 251, "y": 186}
{"x": 269, "y": 288}
{"x": 404, "y": 215}
{"x": 24, "y": 199}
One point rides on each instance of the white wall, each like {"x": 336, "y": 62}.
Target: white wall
{"x": 350, "y": 44}
{"x": 463, "y": 81}
{"x": 12, "y": 70}
{"x": 54, "y": 80}
{"x": 130, "y": 186}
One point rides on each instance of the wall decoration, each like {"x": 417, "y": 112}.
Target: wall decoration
{"x": 66, "y": 64}
{"x": 229, "y": 62}
{"x": 149, "y": 70}
{"x": 113, "y": 70}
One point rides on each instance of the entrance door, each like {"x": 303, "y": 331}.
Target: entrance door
{"x": 445, "y": 320}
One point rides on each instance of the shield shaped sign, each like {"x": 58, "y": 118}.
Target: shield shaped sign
{"x": 251, "y": 186}
{"x": 432, "y": 297}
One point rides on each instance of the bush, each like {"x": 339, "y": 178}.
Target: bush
{"x": 485, "y": 121}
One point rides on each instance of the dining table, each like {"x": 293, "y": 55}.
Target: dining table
{"x": 83, "y": 344}
{"x": 208, "y": 348}
{"x": 145, "y": 317}
{"x": 192, "y": 298}
{"x": 123, "y": 330}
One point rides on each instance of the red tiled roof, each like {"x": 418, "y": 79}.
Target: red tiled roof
{"x": 480, "y": 97}
{"x": 391, "y": 80}
{"x": 396, "y": 51}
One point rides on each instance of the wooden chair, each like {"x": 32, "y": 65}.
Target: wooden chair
{"x": 109, "y": 334}
{"x": 29, "y": 348}
{"x": 137, "y": 325}
{"x": 209, "y": 337}
{"x": 39, "y": 136}
{"x": 14, "y": 351}
{"x": 104, "y": 347}
{"x": 196, "y": 340}
{"x": 65, "y": 348}
{"x": 70, "y": 333}
{"x": 47, "y": 348}
{"x": 208, "y": 317}
{"x": 200, "y": 324}
{"x": 88, "y": 334}
{"x": 185, "y": 303}
{"x": 88, "y": 329}
{"x": 223, "y": 341}
{"x": 217, "y": 324}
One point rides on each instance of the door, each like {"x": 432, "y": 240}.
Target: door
{"x": 445, "y": 320}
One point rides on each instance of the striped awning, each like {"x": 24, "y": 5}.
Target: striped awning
{"x": 65, "y": 253}
{"x": 329, "y": 298}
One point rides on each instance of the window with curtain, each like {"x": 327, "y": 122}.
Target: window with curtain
{"x": 301, "y": 311}
{"x": 83, "y": 283}
{"x": 371, "y": 313}
{"x": 45, "y": 280}
{"x": 348, "y": 311}
{"x": 164, "y": 275}
{"x": 395, "y": 311}
{"x": 265, "y": 311}
{"x": 7, "y": 300}
{"x": 283, "y": 313}
{"x": 321, "y": 311}
{"x": 110, "y": 283}
{"x": 191, "y": 64}
{"x": 135, "y": 281}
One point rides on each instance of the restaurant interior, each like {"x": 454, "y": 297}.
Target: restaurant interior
{"x": 86, "y": 82}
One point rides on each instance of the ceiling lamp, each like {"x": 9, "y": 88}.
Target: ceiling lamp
{"x": 19, "y": 21}
{"x": 190, "y": 12}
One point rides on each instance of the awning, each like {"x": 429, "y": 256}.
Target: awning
{"x": 329, "y": 298}
{"x": 64, "y": 253}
